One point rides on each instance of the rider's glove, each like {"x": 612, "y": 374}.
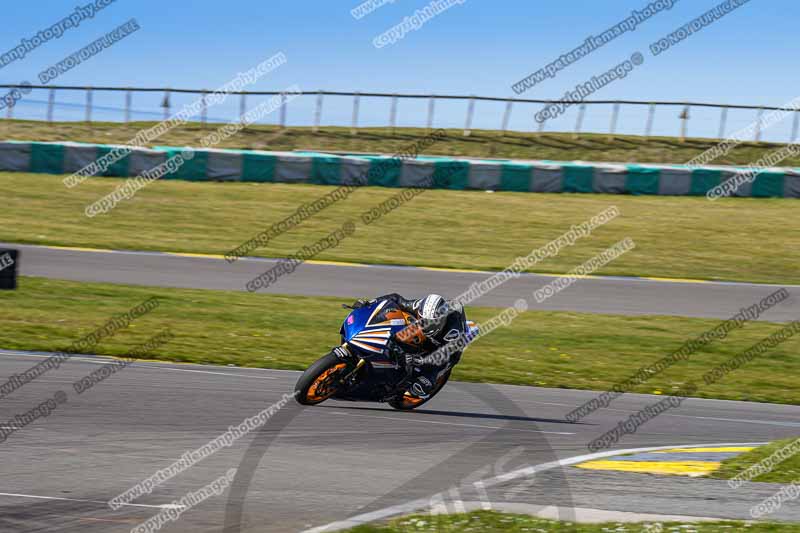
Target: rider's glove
{"x": 395, "y": 351}
{"x": 413, "y": 360}
{"x": 408, "y": 359}
{"x": 401, "y": 357}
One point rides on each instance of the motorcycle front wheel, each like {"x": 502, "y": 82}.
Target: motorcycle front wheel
{"x": 320, "y": 381}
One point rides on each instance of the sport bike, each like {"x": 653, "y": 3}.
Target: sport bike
{"x": 361, "y": 369}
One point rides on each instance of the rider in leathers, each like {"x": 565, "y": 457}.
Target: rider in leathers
{"x": 441, "y": 322}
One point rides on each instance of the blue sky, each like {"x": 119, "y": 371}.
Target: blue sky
{"x": 479, "y": 47}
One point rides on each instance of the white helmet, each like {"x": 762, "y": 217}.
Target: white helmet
{"x": 433, "y": 311}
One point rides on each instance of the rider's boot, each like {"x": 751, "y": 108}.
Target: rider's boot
{"x": 421, "y": 385}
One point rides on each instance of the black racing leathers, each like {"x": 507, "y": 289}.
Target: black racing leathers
{"x": 424, "y": 373}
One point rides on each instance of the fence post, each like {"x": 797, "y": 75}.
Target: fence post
{"x": 684, "y": 116}
{"x": 128, "y": 97}
{"x": 204, "y": 112}
{"x": 317, "y": 112}
{"x": 470, "y": 112}
{"x": 393, "y": 113}
{"x": 723, "y": 120}
{"x": 51, "y": 100}
{"x": 648, "y": 129}
{"x": 540, "y": 129}
{"x": 88, "y": 104}
{"x": 10, "y": 108}
{"x": 795, "y": 125}
{"x": 614, "y": 117}
{"x": 431, "y": 111}
{"x": 166, "y": 104}
{"x": 354, "y": 126}
{"x": 758, "y": 124}
{"x": 579, "y": 121}
{"x": 507, "y": 115}
{"x": 284, "y": 103}
{"x": 242, "y": 109}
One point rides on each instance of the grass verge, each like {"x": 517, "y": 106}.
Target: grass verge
{"x": 481, "y": 143}
{"x": 548, "y": 349}
{"x": 785, "y": 471}
{"x": 491, "y": 522}
{"x": 677, "y": 237}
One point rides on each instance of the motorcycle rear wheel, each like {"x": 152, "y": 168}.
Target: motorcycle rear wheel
{"x": 407, "y": 403}
{"x": 318, "y": 382}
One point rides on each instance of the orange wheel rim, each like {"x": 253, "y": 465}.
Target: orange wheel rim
{"x": 320, "y": 389}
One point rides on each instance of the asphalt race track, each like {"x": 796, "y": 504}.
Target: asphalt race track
{"x": 625, "y": 296}
{"x": 307, "y": 468}
{"x": 311, "y": 466}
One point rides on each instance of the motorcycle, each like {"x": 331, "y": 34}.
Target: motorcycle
{"x": 361, "y": 369}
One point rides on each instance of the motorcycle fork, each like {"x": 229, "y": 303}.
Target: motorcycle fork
{"x": 359, "y": 365}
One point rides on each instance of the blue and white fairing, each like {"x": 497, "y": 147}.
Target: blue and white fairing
{"x": 368, "y": 329}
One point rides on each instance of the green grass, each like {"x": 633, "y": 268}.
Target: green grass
{"x": 548, "y": 349}
{"x": 731, "y": 239}
{"x": 481, "y": 143}
{"x": 492, "y": 522}
{"x": 786, "y": 471}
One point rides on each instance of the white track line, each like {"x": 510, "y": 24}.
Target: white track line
{"x": 15, "y": 495}
{"x": 415, "y": 505}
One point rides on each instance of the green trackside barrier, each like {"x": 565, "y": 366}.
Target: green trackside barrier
{"x": 193, "y": 169}
{"x": 642, "y": 180}
{"x": 703, "y": 180}
{"x": 326, "y": 170}
{"x": 47, "y": 158}
{"x": 258, "y": 167}
{"x": 384, "y": 171}
{"x": 578, "y": 178}
{"x": 516, "y": 177}
{"x": 118, "y": 168}
{"x": 768, "y": 185}
{"x": 451, "y": 175}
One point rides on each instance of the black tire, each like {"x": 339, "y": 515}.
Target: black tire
{"x": 402, "y": 405}
{"x": 305, "y": 391}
